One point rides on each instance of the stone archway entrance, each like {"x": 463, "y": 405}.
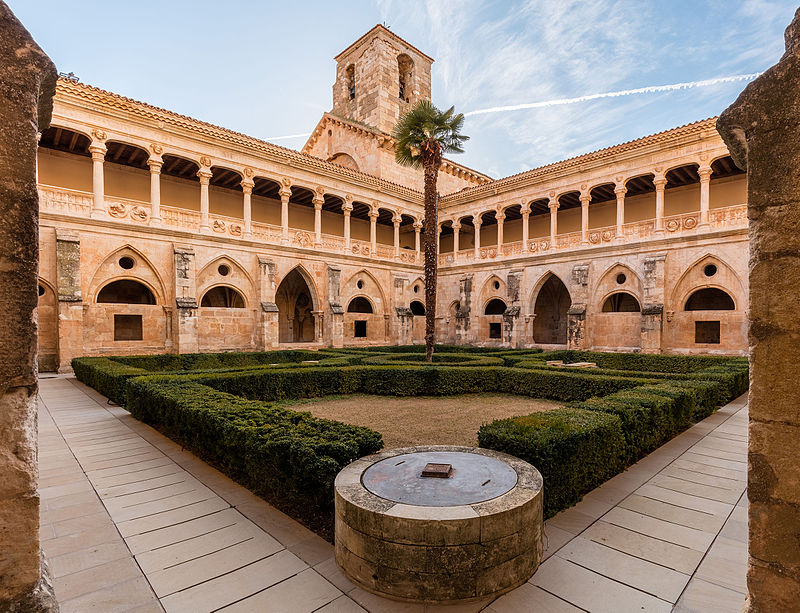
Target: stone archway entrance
{"x": 296, "y": 313}
{"x": 552, "y": 305}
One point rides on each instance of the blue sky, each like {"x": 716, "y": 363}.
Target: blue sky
{"x": 266, "y": 68}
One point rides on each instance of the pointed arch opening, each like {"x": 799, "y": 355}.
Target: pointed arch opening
{"x": 551, "y": 312}
{"x": 494, "y": 307}
{"x": 296, "y": 301}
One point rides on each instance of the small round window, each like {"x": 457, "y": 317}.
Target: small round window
{"x": 497, "y": 284}
{"x": 360, "y": 284}
{"x": 710, "y": 270}
{"x": 621, "y": 278}
{"x": 224, "y": 270}
{"x": 41, "y": 291}
{"x": 126, "y": 262}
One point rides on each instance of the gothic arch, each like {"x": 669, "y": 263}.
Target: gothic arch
{"x": 489, "y": 291}
{"x": 371, "y": 289}
{"x": 236, "y": 293}
{"x": 236, "y": 278}
{"x": 142, "y": 271}
{"x": 550, "y": 302}
{"x": 609, "y": 284}
{"x": 312, "y": 287}
{"x": 696, "y": 277}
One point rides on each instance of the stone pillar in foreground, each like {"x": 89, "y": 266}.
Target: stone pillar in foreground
{"x": 653, "y": 303}
{"x": 761, "y": 130}
{"x": 336, "y": 318}
{"x": 185, "y": 331}
{"x": 268, "y": 314}
{"x": 27, "y": 86}
{"x": 576, "y": 315}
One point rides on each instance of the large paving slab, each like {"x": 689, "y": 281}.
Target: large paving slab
{"x": 132, "y": 522}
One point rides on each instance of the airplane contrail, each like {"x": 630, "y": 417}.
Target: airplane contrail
{"x": 287, "y": 137}
{"x": 652, "y": 89}
{"x": 625, "y": 92}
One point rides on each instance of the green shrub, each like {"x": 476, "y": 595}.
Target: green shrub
{"x": 647, "y": 362}
{"x": 574, "y": 450}
{"x": 461, "y": 359}
{"x": 106, "y": 376}
{"x": 283, "y": 455}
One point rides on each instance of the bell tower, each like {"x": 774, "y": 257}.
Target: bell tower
{"x": 378, "y": 78}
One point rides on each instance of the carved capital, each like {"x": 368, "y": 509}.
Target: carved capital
{"x": 205, "y": 161}
{"x": 248, "y": 172}
{"x": 373, "y": 214}
{"x": 500, "y": 217}
{"x": 156, "y": 149}
{"x": 204, "y": 175}
{"x": 155, "y": 164}
{"x": 397, "y": 219}
{"x": 659, "y": 180}
{"x": 285, "y": 193}
{"x": 418, "y": 226}
{"x": 620, "y": 189}
{"x": 247, "y": 186}
{"x": 705, "y": 173}
{"x": 98, "y": 151}
{"x": 347, "y": 207}
{"x": 99, "y": 134}
{"x": 318, "y": 201}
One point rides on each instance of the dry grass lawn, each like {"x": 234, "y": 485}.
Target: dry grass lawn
{"x": 423, "y": 420}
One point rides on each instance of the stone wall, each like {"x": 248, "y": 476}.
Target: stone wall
{"x": 761, "y": 130}
{"x": 27, "y": 85}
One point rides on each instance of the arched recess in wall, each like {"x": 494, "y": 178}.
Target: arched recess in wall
{"x": 344, "y": 159}
{"x": 364, "y": 283}
{"x": 223, "y": 270}
{"x": 494, "y": 307}
{"x": 710, "y": 299}
{"x": 127, "y": 263}
{"x": 360, "y": 304}
{"x": 47, "y": 315}
{"x": 493, "y": 287}
{"x": 405, "y": 70}
{"x": 550, "y": 309}
{"x": 617, "y": 278}
{"x": 223, "y": 297}
{"x": 296, "y": 299}
{"x": 125, "y": 291}
{"x": 621, "y": 302}
{"x": 417, "y": 308}
{"x": 708, "y": 271}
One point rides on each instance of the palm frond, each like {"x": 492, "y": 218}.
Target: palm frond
{"x": 424, "y": 122}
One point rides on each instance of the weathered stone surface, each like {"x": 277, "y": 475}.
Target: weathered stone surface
{"x": 27, "y": 85}
{"x": 438, "y": 553}
{"x": 760, "y": 129}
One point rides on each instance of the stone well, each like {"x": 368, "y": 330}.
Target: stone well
{"x": 473, "y": 533}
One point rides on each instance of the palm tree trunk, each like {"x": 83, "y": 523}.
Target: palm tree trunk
{"x": 431, "y": 223}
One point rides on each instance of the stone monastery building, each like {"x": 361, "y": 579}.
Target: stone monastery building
{"x": 161, "y": 233}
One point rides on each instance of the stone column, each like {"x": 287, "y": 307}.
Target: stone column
{"x": 653, "y": 304}
{"x": 417, "y": 229}
{"x": 70, "y": 301}
{"x": 463, "y": 314}
{"x": 373, "y": 232}
{"x": 513, "y": 329}
{"x": 155, "y": 163}
{"x": 500, "y": 217}
{"x": 268, "y": 324}
{"x": 405, "y": 319}
{"x": 620, "y": 190}
{"x": 98, "y": 151}
{"x": 204, "y": 174}
{"x": 347, "y": 208}
{"x": 247, "y": 207}
{"x": 553, "y": 206}
{"x": 285, "y": 193}
{"x": 396, "y": 222}
{"x": 186, "y": 325}
{"x": 761, "y": 129}
{"x": 336, "y": 319}
{"x": 705, "y": 188}
{"x": 27, "y": 85}
{"x": 476, "y": 222}
{"x": 660, "y": 181}
{"x": 456, "y": 231}
{"x": 586, "y": 198}
{"x": 526, "y": 213}
{"x": 318, "y": 201}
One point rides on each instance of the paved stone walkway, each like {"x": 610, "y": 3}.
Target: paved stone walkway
{"x": 131, "y": 522}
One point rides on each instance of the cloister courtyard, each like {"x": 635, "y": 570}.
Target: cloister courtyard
{"x": 359, "y": 375}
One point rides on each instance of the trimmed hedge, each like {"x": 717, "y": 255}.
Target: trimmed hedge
{"x": 215, "y": 404}
{"x": 285, "y": 456}
{"x": 460, "y": 359}
{"x": 575, "y": 450}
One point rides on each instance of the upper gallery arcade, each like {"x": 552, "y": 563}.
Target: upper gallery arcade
{"x": 160, "y": 232}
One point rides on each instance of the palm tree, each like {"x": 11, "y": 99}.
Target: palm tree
{"x": 422, "y": 136}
